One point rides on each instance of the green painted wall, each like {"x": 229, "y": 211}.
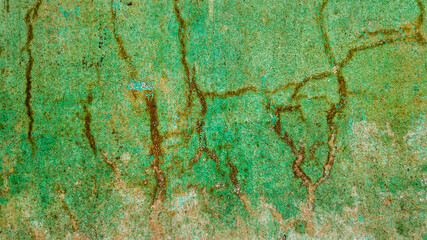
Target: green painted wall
{"x": 215, "y": 119}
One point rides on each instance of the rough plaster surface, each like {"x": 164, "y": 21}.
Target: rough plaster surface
{"x": 213, "y": 119}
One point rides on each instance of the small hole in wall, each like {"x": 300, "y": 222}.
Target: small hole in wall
{"x": 129, "y": 3}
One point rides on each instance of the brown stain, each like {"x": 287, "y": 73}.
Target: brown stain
{"x": 31, "y": 14}
{"x": 233, "y": 93}
{"x": 326, "y": 44}
{"x": 254, "y": 89}
{"x": 190, "y": 80}
{"x": 411, "y": 33}
{"x": 292, "y": 108}
{"x": 352, "y": 52}
{"x": 212, "y": 154}
{"x": 112, "y": 165}
{"x": 387, "y": 32}
{"x": 132, "y": 94}
{"x": 201, "y": 121}
{"x": 296, "y": 168}
{"x": 88, "y": 121}
{"x": 182, "y": 41}
{"x": 246, "y": 90}
{"x": 327, "y": 167}
{"x": 122, "y": 51}
{"x": 281, "y": 88}
{"x": 73, "y": 220}
{"x": 318, "y": 76}
{"x": 195, "y": 158}
{"x": 307, "y": 210}
{"x": 285, "y": 135}
{"x": 237, "y": 188}
{"x": 156, "y": 152}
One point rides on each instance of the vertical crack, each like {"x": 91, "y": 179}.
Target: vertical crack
{"x": 156, "y": 153}
{"x": 31, "y": 14}
{"x": 237, "y": 188}
{"x": 122, "y": 51}
{"x": 73, "y": 219}
{"x": 182, "y": 30}
{"x": 88, "y": 120}
{"x": 192, "y": 86}
{"x": 326, "y": 43}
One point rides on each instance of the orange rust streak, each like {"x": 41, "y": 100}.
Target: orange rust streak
{"x": 156, "y": 152}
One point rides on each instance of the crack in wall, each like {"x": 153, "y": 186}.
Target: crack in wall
{"x": 87, "y": 124}
{"x": 156, "y": 152}
{"x": 31, "y": 14}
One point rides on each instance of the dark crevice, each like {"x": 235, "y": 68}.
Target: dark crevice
{"x": 233, "y": 176}
{"x": 88, "y": 120}
{"x": 232, "y": 93}
{"x": 156, "y": 153}
{"x": 352, "y": 52}
{"x": 326, "y": 44}
{"x": 156, "y": 140}
{"x": 237, "y": 187}
{"x": 31, "y": 14}
{"x": 308, "y": 79}
{"x": 192, "y": 86}
{"x": 122, "y": 51}
{"x": 73, "y": 220}
{"x": 182, "y": 40}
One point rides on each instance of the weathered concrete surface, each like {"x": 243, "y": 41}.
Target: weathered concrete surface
{"x": 213, "y": 119}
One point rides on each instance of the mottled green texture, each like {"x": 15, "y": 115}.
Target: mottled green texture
{"x": 214, "y": 119}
